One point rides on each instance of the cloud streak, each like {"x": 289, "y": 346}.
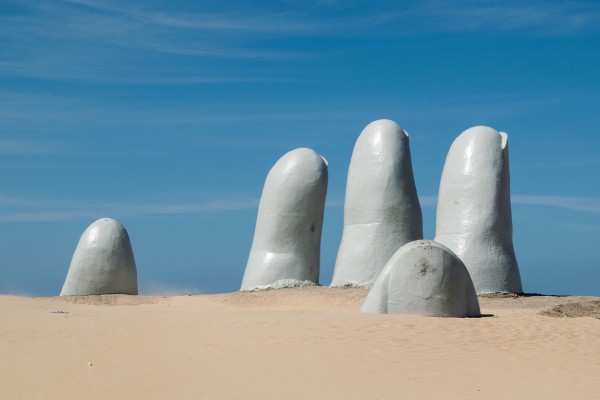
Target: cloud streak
{"x": 120, "y": 42}
{"x": 68, "y": 116}
{"x": 26, "y": 210}
{"x": 233, "y": 21}
{"x": 20, "y": 147}
{"x": 424, "y": 16}
{"x": 584, "y": 204}
{"x": 561, "y": 164}
{"x": 540, "y": 17}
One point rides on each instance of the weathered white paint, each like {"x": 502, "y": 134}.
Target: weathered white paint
{"x": 103, "y": 262}
{"x": 474, "y": 215}
{"x": 382, "y": 210}
{"x": 287, "y": 240}
{"x": 425, "y": 278}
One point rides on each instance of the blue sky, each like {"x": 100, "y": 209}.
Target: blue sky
{"x": 168, "y": 116}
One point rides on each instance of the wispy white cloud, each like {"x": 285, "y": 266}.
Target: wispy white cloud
{"x": 327, "y": 18}
{"x": 585, "y": 228}
{"x": 182, "y": 208}
{"x": 236, "y": 19}
{"x": 486, "y": 107}
{"x": 545, "y": 17}
{"x": 44, "y": 216}
{"x": 119, "y": 42}
{"x": 29, "y": 109}
{"x": 32, "y": 210}
{"x": 10, "y": 201}
{"x": 68, "y": 115}
{"x": 26, "y": 210}
{"x": 585, "y": 204}
{"x": 45, "y": 211}
{"x": 134, "y": 75}
{"x": 19, "y": 147}
{"x": 560, "y": 164}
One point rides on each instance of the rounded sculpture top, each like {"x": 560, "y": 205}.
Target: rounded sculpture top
{"x": 475, "y": 187}
{"x": 380, "y": 145}
{"x": 299, "y": 168}
{"x": 477, "y": 151}
{"x": 376, "y": 136}
{"x": 479, "y": 130}
{"x": 103, "y": 229}
{"x": 425, "y": 278}
{"x": 301, "y": 164}
{"x": 103, "y": 262}
{"x": 485, "y": 138}
{"x": 380, "y": 187}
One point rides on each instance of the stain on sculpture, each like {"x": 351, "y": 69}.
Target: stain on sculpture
{"x": 424, "y": 278}
{"x": 103, "y": 262}
{"x": 382, "y": 210}
{"x": 286, "y": 248}
{"x": 474, "y": 217}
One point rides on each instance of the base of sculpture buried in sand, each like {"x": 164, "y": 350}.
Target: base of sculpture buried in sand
{"x": 291, "y": 343}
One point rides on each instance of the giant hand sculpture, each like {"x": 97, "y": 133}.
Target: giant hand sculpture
{"x": 474, "y": 215}
{"x": 103, "y": 262}
{"x": 287, "y": 239}
{"x": 382, "y": 210}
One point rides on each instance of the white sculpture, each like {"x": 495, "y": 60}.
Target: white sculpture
{"x": 425, "y": 278}
{"x": 103, "y": 262}
{"x": 287, "y": 240}
{"x": 474, "y": 214}
{"x": 382, "y": 210}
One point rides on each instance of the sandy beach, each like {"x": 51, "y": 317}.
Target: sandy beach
{"x": 305, "y": 343}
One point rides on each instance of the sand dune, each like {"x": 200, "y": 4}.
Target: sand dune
{"x": 305, "y": 343}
